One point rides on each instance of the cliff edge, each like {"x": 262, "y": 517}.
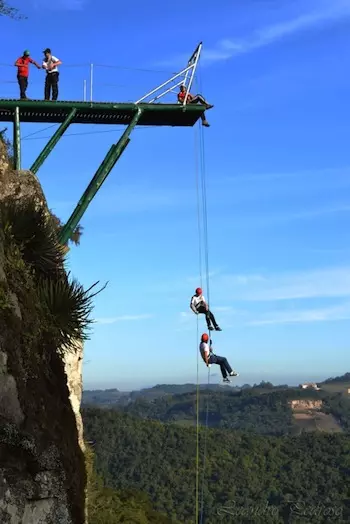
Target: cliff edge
{"x": 42, "y": 467}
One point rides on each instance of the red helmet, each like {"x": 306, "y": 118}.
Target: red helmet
{"x": 205, "y": 337}
{"x": 198, "y": 291}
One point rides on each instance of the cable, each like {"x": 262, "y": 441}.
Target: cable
{"x": 205, "y": 447}
{"x": 197, "y": 430}
{"x": 206, "y": 250}
{"x": 40, "y": 131}
{"x": 79, "y": 134}
{"x": 108, "y": 66}
{"x": 128, "y": 68}
{"x": 199, "y": 228}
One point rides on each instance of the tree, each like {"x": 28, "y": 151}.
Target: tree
{"x": 12, "y": 12}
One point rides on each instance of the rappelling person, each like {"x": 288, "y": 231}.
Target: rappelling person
{"x": 209, "y": 358}
{"x": 199, "y": 305}
{"x": 50, "y": 64}
{"x": 194, "y": 100}
{"x": 22, "y": 63}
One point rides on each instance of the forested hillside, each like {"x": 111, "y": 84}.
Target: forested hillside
{"x": 110, "y": 506}
{"x": 242, "y": 469}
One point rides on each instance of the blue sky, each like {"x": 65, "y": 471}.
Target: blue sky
{"x": 277, "y": 164}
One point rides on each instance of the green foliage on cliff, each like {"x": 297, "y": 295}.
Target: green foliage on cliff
{"x": 34, "y": 265}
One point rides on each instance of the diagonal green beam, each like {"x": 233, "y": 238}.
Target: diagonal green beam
{"x": 100, "y": 176}
{"x": 53, "y": 141}
{"x": 16, "y": 140}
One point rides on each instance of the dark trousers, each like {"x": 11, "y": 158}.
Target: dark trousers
{"x": 208, "y": 316}
{"x": 222, "y": 362}
{"x": 201, "y": 100}
{"x": 51, "y": 82}
{"x": 23, "y": 84}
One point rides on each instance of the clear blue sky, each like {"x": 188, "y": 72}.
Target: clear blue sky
{"x": 278, "y": 170}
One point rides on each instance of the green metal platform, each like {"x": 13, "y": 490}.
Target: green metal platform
{"x": 67, "y": 113}
{"x": 41, "y": 111}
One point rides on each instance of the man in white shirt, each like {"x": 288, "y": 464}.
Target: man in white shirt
{"x": 50, "y": 64}
{"x": 209, "y": 358}
{"x": 199, "y": 305}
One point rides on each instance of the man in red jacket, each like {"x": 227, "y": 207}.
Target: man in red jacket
{"x": 22, "y": 64}
{"x": 193, "y": 100}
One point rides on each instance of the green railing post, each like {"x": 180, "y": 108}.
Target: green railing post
{"x": 17, "y": 140}
{"x": 100, "y": 176}
{"x": 52, "y": 142}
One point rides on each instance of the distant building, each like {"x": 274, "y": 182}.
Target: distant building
{"x": 310, "y": 385}
{"x": 305, "y": 405}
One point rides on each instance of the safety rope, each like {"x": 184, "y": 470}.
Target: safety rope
{"x": 201, "y": 283}
{"x": 203, "y": 201}
{"x": 197, "y": 432}
{"x": 206, "y": 249}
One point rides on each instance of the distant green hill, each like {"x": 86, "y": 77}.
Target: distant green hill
{"x": 108, "y": 397}
{"x": 342, "y": 379}
{"x": 263, "y": 409}
{"x": 114, "y": 396}
{"x": 264, "y": 412}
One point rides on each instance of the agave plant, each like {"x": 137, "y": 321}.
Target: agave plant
{"x": 27, "y": 225}
{"x": 69, "y": 307}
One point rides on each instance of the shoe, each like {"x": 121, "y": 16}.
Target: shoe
{"x": 217, "y": 328}
{"x": 226, "y": 379}
{"x": 205, "y": 123}
{"x": 210, "y": 106}
{"x": 234, "y": 374}
{"x": 211, "y": 328}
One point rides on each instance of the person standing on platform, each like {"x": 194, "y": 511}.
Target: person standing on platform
{"x": 22, "y": 64}
{"x": 50, "y": 64}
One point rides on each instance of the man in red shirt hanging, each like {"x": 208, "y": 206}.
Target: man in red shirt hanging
{"x": 194, "y": 100}
{"x": 22, "y": 64}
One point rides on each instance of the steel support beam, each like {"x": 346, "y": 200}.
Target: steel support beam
{"x": 52, "y": 142}
{"x": 16, "y": 140}
{"x": 100, "y": 176}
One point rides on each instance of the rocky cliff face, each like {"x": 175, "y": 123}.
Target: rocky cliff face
{"x": 42, "y": 468}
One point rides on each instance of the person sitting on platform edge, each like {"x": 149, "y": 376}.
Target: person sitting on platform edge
{"x": 194, "y": 100}
{"x": 22, "y": 64}
{"x": 50, "y": 63}
{"x": 210, "y": 358}
{"x": 199, "y": 305}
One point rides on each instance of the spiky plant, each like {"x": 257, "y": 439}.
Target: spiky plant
{"x": 27, "y": 225}
{"x": 68, "y": 307}
{"x": 8, "y": 147}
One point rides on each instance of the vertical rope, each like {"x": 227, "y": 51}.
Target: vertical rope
{"x": 206, "y": 251}
{"x": 196, "y": 146}
{"x": 197, "y": 431}
{"x": 205, "y": 449}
